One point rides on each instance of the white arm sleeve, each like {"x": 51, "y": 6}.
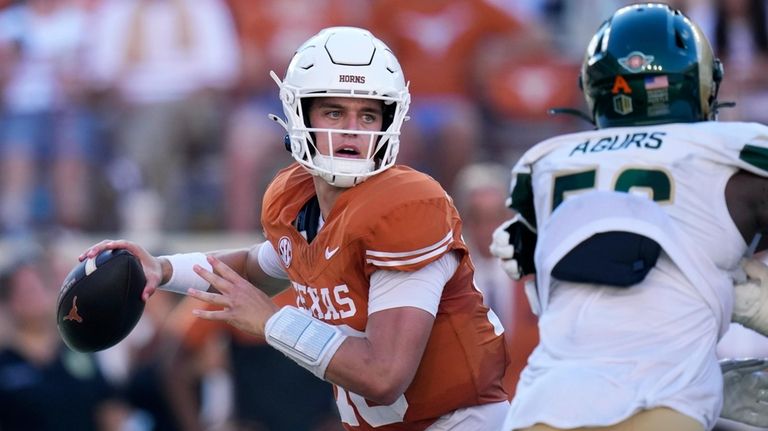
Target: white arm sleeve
{"x": 270, "y": 262}
{"x": 421, "y": 289}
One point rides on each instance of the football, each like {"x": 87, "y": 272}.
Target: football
{"x": 100, "y": 301}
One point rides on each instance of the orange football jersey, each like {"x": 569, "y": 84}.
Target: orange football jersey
{"x": 398, "y": 220}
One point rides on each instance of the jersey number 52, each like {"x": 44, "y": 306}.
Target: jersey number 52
{"x": 656, "y": 183}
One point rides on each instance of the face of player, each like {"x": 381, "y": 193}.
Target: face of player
{"x": 350, "y": 116}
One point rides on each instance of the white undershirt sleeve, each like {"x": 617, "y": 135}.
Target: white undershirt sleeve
{"x": 421, "y": 289}
{"x": 270, "y": 262}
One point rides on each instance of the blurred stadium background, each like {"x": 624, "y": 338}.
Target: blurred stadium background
{"x": 146, "y": 120}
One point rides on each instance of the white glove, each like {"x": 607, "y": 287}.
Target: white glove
{"x": 501, "y": 248}
{"x": 745, "y": 391}
{"x": 750, "y": 298}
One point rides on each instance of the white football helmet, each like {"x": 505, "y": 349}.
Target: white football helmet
{"x": 343, "y": 62}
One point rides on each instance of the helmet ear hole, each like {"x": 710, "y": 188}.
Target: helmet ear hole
{"x": 305, "y": 105}
{"x": 679, "y": 40}
{"x": 717, "y": 71}
{"x": 717, "y": 78}
{"x": 388, "y": 115}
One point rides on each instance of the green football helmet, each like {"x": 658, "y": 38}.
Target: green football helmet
{"x": 650, "y": 64}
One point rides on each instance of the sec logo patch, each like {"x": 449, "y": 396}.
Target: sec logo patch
{"x": 285, "y": 250}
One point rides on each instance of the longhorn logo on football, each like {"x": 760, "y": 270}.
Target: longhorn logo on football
{"x": 72, "y": 315}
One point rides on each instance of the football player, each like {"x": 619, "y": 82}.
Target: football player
{"x": 634, "y": 231}
{"x": 385, "y": 305}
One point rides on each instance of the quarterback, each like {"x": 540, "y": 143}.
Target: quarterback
{"x": 385, "y": 305}
{"x": 635, "y": 232}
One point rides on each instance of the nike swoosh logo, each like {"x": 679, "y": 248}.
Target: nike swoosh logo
{"x": 329, "y": 253}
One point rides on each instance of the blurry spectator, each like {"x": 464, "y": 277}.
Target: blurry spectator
{"x": 701, "y": 12}
{"x": 741, "y": 41}
{"x": 572, "y": 24}
{"x": 135, "y": 367}
{"x": 44, "y": 385}
{"x": 268, "y": 393}
{"x": 438, "y": 42}
{"x": 269, "y": 32}
{"x": 521, "y": 84}
{"x": 44, "y": 139}
{"x": 167, "y": 64}
{"x": 480, "y": 192}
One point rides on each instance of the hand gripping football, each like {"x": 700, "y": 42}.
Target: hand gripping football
{"x": 100, "y": 301}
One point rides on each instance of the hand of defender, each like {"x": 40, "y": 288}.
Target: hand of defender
{"x": 514, "y": 243}
{"x": 242, "y": 305}
{"x": 153, "y": 270}
{"x": 502, "y": 247}
{"x": 750, "y": 306}
{"x": 745, "y": 391}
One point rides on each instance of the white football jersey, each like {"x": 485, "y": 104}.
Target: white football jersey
{"x": 607, "y": 352}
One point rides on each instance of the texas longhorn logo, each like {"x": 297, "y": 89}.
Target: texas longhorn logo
{"x": 73, "y": 312}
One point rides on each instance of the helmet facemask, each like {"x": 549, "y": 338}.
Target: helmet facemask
{"x": 343, "y": 62}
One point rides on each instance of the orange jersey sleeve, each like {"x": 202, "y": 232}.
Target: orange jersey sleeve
{"x": 403, "y": 220}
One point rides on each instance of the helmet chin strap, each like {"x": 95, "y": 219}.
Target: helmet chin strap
{"x": 349, "y": 172}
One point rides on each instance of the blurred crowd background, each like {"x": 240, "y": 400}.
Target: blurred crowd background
{"x": 147, "y": 120}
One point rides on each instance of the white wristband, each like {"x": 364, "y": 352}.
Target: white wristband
{"x": 182, "y": 276}
{"x": 309, "y": 342}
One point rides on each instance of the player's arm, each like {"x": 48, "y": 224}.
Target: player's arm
{"x": 402, "y": 307}
{"x": 750, "y": 297}
{"x": 747, "y": 199}
{"x": 746, "y": 196}
{"x": 259, "y": 264}
{"x": 176, "y": 272}
{"x": 380, "y": 364}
